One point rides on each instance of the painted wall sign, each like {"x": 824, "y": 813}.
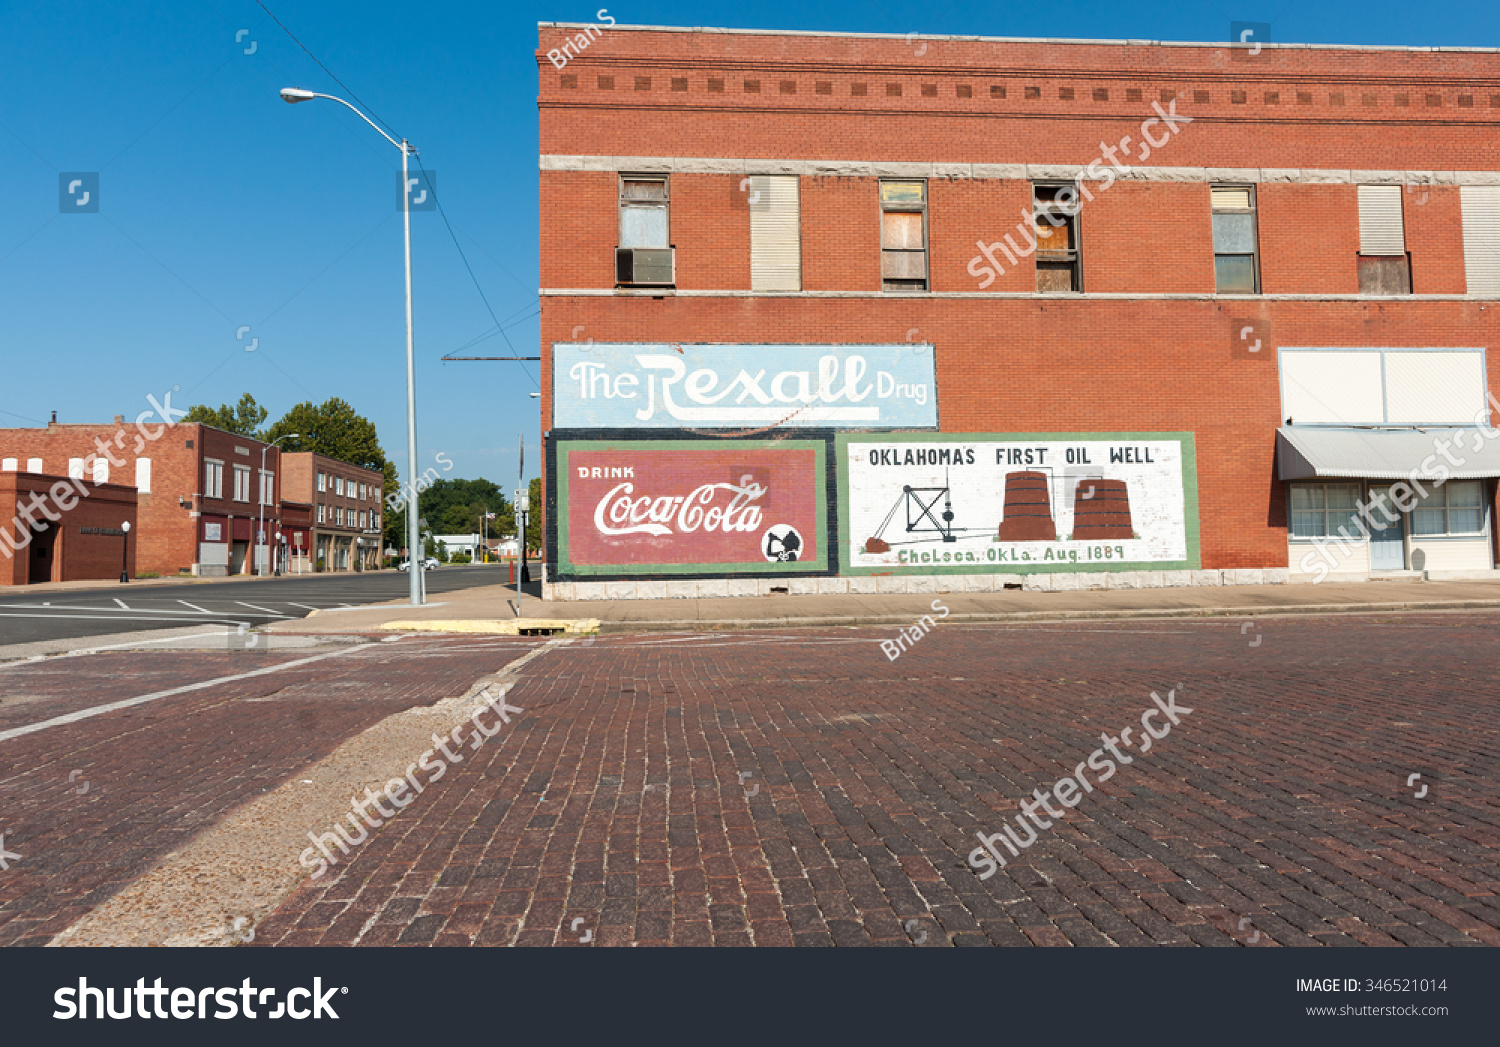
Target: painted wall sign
{"x": 687, "y": 386}
{"x": 1023, "y": 503}
{"x": 213, "y": 532}
{"x": 687, "y": 506}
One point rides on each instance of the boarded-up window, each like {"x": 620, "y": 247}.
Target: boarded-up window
{"x": 643, "y": 212}
{"x": 101, "y": 470}
{"x": 1381, "y": 231}
{"x": 1481, "y": 219}
{"x": 1383, "y": 265}
{"x": 903, "y": 235}
{"x": 34, "y": 465}
{"x": 143, "y": 475}
{"x": 75, "y": 469}
{"x": 1055, "y": 215}
{"x": 775, "y": 242}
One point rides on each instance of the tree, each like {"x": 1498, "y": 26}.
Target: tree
{"x": 534, "y": 517}
{"x": 245, "y": 419}
{"x": 334, "y": 429}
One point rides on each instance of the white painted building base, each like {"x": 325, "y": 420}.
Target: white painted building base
{"x": 904, "y": 584}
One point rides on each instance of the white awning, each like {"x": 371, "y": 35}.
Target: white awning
{"x": 1386, "y": 454}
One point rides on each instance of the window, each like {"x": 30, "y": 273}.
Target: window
{"x": 1235, "y": 269}
{"x": 338, "y": 485}
{"x": 775, "y": 242}
{"x": 322, "y": 513}
{"x": 8, "y": 465}
{"x": 213, "y": 478}
{"x": 1456, "y": 507}
{"x": 1319, "y": 510}
{"x": 1055, "y": 210}
{"x": 903, "y": 236}
{"x": 242, "y": 483}
{"x": 643, "y": 212}
{"x": 267, "y": 488}
{"x": 361, "y": 492}
{"x": 34, "y": 465}
{"x": 374, "y": 522}
{"x": 75, "y": 468}
{"x": 1481, "y": 221}
{"x": 362, "y": 519}
{"x": 1383, "y": 264}
{"x": 101, "y": 470}
{"x": 143, "y": 475}
{"x": 322, "y": 481}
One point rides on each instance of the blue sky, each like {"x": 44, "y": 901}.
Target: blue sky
{"x": 221, "y": 207}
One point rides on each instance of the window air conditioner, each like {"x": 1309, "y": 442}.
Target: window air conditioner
{"x": 646, "y": 267}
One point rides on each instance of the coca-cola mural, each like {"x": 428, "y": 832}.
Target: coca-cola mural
{"x": 742, "y": 506}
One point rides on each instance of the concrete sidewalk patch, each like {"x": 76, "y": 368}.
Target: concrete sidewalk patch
{"x": 500, "y": 627}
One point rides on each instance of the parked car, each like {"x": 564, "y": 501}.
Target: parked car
{"x": 430, "y": 564}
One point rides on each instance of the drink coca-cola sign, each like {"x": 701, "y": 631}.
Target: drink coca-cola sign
{"x": 688, "y": 504}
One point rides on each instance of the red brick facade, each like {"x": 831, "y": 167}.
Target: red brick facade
{"x": 346, "y": 509}
{"x": 184, "y": 526}
{"x": 1148, "y": 345}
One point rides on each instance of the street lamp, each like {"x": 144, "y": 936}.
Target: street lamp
{"x": 260, "y": 529}
{"x": 359, "y": 557}
{"x": 293, "y": 95}
{"x": 125, "y": 552}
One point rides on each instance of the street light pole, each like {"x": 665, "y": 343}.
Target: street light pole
{"x": 125, "y": 552}
{"x": 293, "y": 95}
{"x": 260, "y": 528}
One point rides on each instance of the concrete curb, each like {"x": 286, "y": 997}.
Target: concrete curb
{"x": 497, "y": 627}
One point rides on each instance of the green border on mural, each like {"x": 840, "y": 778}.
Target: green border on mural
{"x": 565, "y": 564}
{"x": 1194, "y": 560}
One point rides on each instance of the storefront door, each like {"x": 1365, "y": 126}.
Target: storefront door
{"x": 1387, "y": 540}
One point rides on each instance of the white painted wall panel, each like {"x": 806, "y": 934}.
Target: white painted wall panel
{"x": 1433, "y": 388}
{"x": 1331, "y": 388}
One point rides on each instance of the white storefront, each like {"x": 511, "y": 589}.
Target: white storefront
{"x": 1389, "y": 459}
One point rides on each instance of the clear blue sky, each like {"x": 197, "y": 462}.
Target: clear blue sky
{"x": 221, "y": 206}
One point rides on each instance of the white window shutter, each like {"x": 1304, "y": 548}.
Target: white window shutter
{"x": 1381, "y": 232}
{"x": 1481, "y": 218}
{"x": 101, "y": 470}
{"x": 75, "y": 469}
{"x": 143, "y": 475}
{"x": 775, "y": 238}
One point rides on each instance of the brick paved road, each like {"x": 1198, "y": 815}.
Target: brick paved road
{"x": 780, "y": 789}
{"x": 152, "y": 776}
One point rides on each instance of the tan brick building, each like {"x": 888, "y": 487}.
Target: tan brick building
{"x": 1280, "y": 270}
{"x": 346, "y": 510}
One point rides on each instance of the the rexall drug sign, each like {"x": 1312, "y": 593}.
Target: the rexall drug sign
{"x": 689, "y": 386}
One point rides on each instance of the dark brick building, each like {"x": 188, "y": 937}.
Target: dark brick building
{"x": 57, "y": 529}
{"x": 864, "y": 304}
{"x": 345, "y": 511}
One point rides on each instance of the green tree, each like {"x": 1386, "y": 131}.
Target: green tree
{"x": 332, "y": 428}
{"x": 534, "y": 517}
{"x": 244, "y": 419}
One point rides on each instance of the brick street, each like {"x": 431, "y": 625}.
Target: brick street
{"x": 779, "y": 788}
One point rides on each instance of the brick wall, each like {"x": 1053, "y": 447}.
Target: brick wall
{"x": 170, "y": 513}
{"x": 74, "y": 555}
{"x": 1038, "y": 363}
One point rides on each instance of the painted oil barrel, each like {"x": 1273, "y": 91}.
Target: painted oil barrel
{"x": 1028, "y": 509}
{"x": 1101, "y": 509}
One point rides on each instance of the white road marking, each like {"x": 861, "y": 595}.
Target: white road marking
{"x": 253, "y": 607}
{"x": 195, "y": 607}
{"x": 122, "y": 603}
{"x": 126, "y": 703}
{"x": 301, "y": 605}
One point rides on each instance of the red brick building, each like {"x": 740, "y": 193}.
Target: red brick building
{"x": 346, "y": 509}
{"x": 201, "y": 491}
{"x": 64, "y": 530}
{"x": 893, "y": 314}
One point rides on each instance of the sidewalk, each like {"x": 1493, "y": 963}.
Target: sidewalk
{"x": 491, "y": 603}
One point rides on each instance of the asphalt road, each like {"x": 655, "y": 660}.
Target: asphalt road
{"x": 27, "y": 617}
